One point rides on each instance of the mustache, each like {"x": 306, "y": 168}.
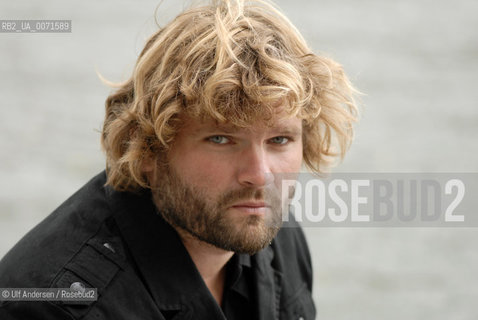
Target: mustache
{"x": 245, "y": 194}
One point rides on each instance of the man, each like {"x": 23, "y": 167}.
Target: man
{"x": 185, "y": 223}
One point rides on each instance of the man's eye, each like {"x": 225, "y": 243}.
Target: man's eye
{"x": 218, "y": 139}
{"x": 279, "y": 140}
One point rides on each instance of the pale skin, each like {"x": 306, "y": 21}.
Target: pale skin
{"x": 221, "y": 157}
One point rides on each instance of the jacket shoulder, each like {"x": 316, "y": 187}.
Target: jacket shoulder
{"x": 37, "y": 258}
{"x": 77, "y": 243}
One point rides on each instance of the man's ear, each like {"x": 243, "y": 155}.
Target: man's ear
{"x": 148, "y": 165}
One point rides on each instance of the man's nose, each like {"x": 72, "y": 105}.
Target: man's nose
{"x": 254, "y": 167}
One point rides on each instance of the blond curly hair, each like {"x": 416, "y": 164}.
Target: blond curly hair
{"x": 230, "y": 60}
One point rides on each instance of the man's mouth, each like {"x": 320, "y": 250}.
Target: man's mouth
{"x": 251, "y": 207}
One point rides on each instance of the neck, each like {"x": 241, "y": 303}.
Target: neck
{"x": 210, "y": 262}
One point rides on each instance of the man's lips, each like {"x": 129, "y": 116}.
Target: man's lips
{"x": 252, "y": 207}
{"x": 251, "y": 204}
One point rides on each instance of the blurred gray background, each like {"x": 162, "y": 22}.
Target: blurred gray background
{"x": 416, "y": 60}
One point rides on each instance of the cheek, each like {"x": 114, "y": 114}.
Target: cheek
{"x": 202, "y": 171}
{"x": 289, "y": 162}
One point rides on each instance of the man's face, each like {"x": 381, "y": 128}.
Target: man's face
{"x": 220, "y": 182}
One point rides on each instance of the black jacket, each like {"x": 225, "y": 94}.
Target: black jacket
{"x": 105, "y": 240}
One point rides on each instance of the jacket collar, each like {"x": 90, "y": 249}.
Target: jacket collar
{"x": 167, "y": 269}
{"x": 269, "y": 284}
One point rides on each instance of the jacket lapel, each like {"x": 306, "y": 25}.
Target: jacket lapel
{"x": 165, "y": 266}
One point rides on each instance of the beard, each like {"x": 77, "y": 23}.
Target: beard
{"x": 208, "y": 219}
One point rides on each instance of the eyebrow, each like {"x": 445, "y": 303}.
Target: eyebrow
{"x": 288, "y": 131}
{"x": 216, "y": 128}
{"x": 279, "y": 130}
{"x": 225, "y": 128}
